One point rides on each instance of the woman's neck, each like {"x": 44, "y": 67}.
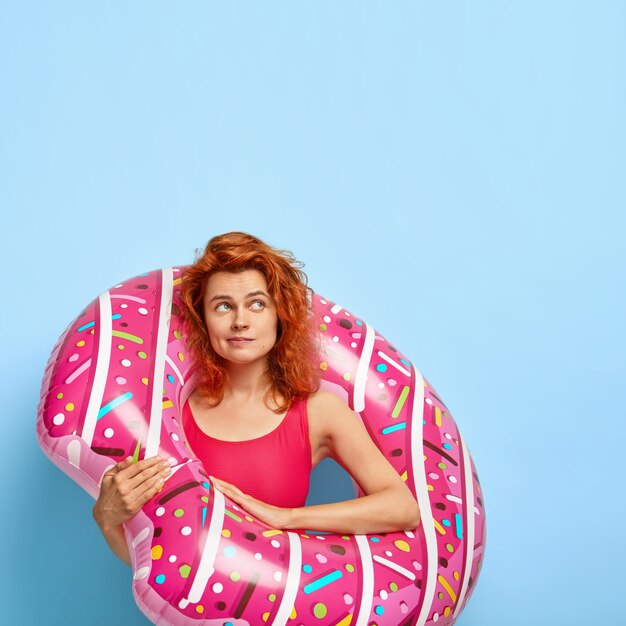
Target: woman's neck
{"x": 247, "y": 382}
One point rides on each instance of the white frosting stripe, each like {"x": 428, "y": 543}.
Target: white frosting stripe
{"x": 386, "y": 357}
{"x": 367, "y": 569}
{"x": 156, "y": 410}
{"x": 418, "y": 470}
{"x": 358, "y": 398}
{"x": 105, "y": 335}
{"x": 395, "y": 567}
{"x": 173, "y": 365}
{"x": 293, "y": 581}
{"x": 469, "y": 531}
{"x": 206, "y": 567}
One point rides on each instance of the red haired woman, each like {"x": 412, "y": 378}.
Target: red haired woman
{"x": 257, "y": 419}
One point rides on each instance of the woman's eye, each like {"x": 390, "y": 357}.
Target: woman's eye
{"x": 258, "y": 304}
{"x": 219, "y": 307}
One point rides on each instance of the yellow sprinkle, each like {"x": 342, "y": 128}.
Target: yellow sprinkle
{"x": 293, "y": 613}
{"x": 266, "y": 616}
{"x": 439, "y": 527}
{"x": 271, "y": 533}
{"x": 167, "y": 404}
{"x": 456, "y": 576}
{"x": 447, "y": 611}
{"x": 80, "y": 344}
{"x": 200, "y": 608}
{"x": 181, "y": 356}
{"x": 157, "y": 552}
{"x": 402, "y": 545}
{"x": 145, "y": 381}
{"x": 437, "y": 416}
{"x": 430, "y": 487}
{"x": 404, "y": 476}
{"x": 69, "y": 406}
{"x": 226, "y": 532}
{"x": 446, "y": 585}
{"x": 177, "y": 281}
{"x": 346, "y": 621}
{"x": 323, "y": 366}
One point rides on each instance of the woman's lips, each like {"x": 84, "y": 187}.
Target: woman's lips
{"x": 239, "y": 342}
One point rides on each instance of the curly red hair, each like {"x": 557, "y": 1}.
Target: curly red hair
{"x": 291, "y": 362}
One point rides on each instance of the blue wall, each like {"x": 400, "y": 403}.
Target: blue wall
{"x": 448, "y": 171}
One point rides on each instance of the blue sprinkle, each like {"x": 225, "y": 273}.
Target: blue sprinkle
{"x": 459, "y": 526}
{"x": 160, "y": 579}
{"x": 379, "y": 610}
{"x": 116, "y": 316}
{"x": 447, "y": 446}
{"x": 381, "y": 367}
{"x": 206, "y": 485}
{"x": 405, "y": 362}
{"x": 85, "y": 326}
{"x": 446, "y": 522}
{"x": 374, "y": 539}
{"x": 307, "y": 568}
{"x": 203, "y": 516}
{"x": 392, "y": 429}
{"x": 358, "y": 322}
{"x": 170, "y": 378}
{"x": 230, "y": 551}
{"x": 322, "y": 582}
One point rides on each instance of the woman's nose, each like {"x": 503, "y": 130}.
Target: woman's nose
{"x": 240, "y": 320}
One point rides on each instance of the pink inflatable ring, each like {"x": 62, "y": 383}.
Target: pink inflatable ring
{"x": 115, "y": 384}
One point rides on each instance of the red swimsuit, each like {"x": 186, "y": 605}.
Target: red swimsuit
{"x": 274, "y": 468}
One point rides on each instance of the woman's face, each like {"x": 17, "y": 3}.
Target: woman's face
{"x": 240, "y": 316}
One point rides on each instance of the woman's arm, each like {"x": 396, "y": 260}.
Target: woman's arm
{"x": 125, "y": 488}
{"x": 336, "y": 431}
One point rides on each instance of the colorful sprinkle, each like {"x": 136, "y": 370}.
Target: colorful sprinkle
{"x": 394, "y": 428}
{"x": 122, "y": 335}
{"x": 402, "y": 545}
{"x": 107, "y": 408}
{"x": 322, "y": 581}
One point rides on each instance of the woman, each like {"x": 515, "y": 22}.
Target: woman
{"x": 257, "y": 417}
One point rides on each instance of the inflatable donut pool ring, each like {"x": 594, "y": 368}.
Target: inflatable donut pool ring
{"x": 114, "y": 386}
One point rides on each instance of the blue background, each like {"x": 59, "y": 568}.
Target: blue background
{"x": 451, "y": 172}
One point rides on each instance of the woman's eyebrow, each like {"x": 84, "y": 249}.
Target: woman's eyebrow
{"x": 248, "y": 295}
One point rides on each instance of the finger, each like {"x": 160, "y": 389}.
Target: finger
{"x": 118, "y": 467}
{"x": 149, "y": 489}
{"x": 234, "y": 493}
{"x": 137, "y": 473}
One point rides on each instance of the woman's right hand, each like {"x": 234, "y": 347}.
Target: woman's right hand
{"x": 126, "y": 487}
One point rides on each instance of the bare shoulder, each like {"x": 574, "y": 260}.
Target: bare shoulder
{"x": 325, "y": 404}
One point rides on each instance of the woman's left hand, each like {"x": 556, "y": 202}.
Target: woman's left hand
{"x": 273, "y": 516}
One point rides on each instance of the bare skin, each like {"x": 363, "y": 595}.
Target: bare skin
{"x": 238, "y": 306}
